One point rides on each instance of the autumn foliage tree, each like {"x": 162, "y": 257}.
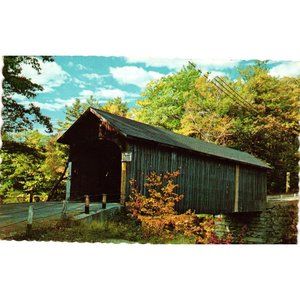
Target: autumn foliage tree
{"x": 162, "y": 197}
{"x": 187, "y": 102}
{"x": 116, "y": 106}
{"x": 207, "y": 113}
{"x": 157, "y": 214}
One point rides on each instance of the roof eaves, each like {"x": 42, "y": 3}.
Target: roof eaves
{"x": 60, "y": 139}
{"x": 94, "y": 111}
{"x": 263, "y": 164}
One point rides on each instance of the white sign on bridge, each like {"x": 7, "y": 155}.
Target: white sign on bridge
{"x": 126, "y": 156}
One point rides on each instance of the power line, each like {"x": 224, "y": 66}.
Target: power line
{"x": 226, "y": 92}
{"x": 241, "y": 102}
{"x": 225, "y": 89}
{"x": 234, "y": 91}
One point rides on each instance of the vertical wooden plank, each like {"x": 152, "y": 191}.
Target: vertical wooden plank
{"x": 104, "y": 197}
{"x": 68, "y": 183}
{"x": 236, "y": 188}
{"x": 123, "y": 181}
{"x": 87, "y": 204}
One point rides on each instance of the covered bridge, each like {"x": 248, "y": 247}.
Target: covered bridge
{"x": 107, "y": 150}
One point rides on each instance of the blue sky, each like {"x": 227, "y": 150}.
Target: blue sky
{"x": 71, "y": 77}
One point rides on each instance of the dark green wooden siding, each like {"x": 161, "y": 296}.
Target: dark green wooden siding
{"x": 207, "y": 178}
{"x": 252, "y": 189}
{"x": 206, "y": 183}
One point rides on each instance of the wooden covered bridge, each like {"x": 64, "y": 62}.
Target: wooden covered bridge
{"x": 107, "y": 150}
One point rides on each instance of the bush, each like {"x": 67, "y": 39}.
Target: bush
{"x": 157, "y": 215}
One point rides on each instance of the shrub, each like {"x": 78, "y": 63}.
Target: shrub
{"x": 157, "y": 215}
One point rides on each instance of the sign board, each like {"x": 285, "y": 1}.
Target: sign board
{"x": 126, "y": 156}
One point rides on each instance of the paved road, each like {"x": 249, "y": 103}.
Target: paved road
{"x": 15, "y": 214}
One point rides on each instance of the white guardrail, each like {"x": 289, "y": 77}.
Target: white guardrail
{"x": 283, "y": 197}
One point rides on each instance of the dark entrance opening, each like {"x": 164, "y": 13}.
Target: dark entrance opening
{"x": 96, "y": 170}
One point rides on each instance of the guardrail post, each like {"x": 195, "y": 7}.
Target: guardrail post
{"x": 104, "y": 196}
{"x": 87, "y": 204}
{"x": 29, "y": 220}
{"x": 31, "y": 196}
{"x": 287, "y": 182}
{"x": 64, "y": 209}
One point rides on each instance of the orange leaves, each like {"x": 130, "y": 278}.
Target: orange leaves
{"x": 161, "y": 199}
{"x": 157, "y": 216}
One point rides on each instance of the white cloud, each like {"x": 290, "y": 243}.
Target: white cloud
{"x": 19, "y": 97}
{"x": 79, "y": 83}
{"x": 81, "y": 67}
{"x": 178, "y": 63}
{"x": 64, "y": 102}
{"x": 78, "y": 66}
{"x": 113, "y": 93}
{"x": 86, "y": 93}
{"x": 52, "y": 75}
{"x": 290, "y": 69}
{"x": 214, "y": 74}
{"x": 57, "y": 104}
{"x": 92, "y": 76}
{"x": 108, "y": 93}
{"x": 134, "y": 75}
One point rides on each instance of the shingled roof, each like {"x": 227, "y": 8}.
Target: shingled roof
{"x": 130, "y": 128}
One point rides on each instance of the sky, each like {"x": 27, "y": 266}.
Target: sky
{"x": 71, "y": 77}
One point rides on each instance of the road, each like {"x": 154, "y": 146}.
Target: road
{"x": 14, "y": 215}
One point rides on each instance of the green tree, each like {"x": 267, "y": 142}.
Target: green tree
{"x": 163, "y": 101}
{"x": 30, "y": 160}
{"x": 16, "y": 116}
{"x": 116, "y": 106}
{"x": 207, "y": 113}
{"x": 271, "y": 131}
{"x": 188, "y": 103}
{"x": 74, "y": 111}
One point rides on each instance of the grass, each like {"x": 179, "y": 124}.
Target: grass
{"x": 119, "y": 230}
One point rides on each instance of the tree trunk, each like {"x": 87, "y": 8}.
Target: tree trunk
{"x": 53, "y": 190}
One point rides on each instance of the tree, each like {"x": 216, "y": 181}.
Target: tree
{"x": 116, "y": 106}
{"x": 16, "y": 116}
{"x": 163, "y": 100}
{"x": 271, "y": 131}
{"x": 30, "y": 160}
{"x": 74, "y": 111}
{"x": 188, "y": 103}
{"x": 206, "y": 114}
